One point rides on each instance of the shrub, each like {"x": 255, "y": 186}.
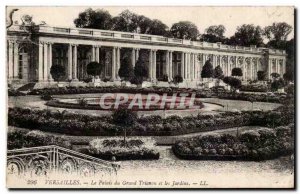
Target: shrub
{"x": 136, "y": 80}
{"x": 250, "y": 145}
{"x": 218, "y": 73}
{"x": 126, "y": 69}
{"x": 261, "y": 75}
{"x": 88, "y": 79}
{"x": 57, "y": 71}
{"x": 133, "y": 149}
{"x": 12, "y": 92}
{"x": 165, "y": 78}
{"x": 124, "y": 117}
{"x": 19, "y": 138}
{"x": 177, "y": 79}
{"x": 140, "y": 69}
{"x": 46, "y": 97}
{"x": 94, "y": 68}
{"x": 233, "y": 82}
{"x": 277, "y": 84}
{"x": 236, "y": 72}
{"x": 207, "y": 70}
{"x": 254, "y": 88}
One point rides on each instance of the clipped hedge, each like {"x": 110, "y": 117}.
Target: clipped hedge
{"x": 250, "y": 145}
{"x": 120, "y": 89}
{"x": 116, "y": 149}
{"x": 22, "y": 138}
{"x": 255, "y": 88}
{"x": 85, "y": 125}
{"x": 200, "y": 93}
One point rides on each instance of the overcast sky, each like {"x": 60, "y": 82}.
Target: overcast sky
{"x": 230, "y": 17}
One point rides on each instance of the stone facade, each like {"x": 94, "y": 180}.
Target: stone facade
{"x": 30, "y": 59}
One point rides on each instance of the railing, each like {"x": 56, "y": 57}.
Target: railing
{"x": 54, "y": 156}
{"x": 142, "y": 37}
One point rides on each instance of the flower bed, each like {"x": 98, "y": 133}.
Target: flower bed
{"x": 200, "y": 93}
{"x": 116, "y": 149}
{"x": 87, "y": 90}
{"x": 15, "y": 93}
{"x": 255, "y": 88}
{"x": 262, "y": 97}
{"x": 78, "y": 124}
{"x": 251, "y": 145}
{"x": 20, "y": 138}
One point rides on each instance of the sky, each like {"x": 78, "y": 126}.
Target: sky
{"x": 203, "y": 17}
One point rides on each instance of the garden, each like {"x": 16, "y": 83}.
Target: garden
{"x": 65, "y": 122}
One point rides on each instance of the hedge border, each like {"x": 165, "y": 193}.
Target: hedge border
{"x": 228, "y": 157}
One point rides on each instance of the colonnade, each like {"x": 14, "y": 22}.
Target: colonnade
{"x": 191, "y": 62}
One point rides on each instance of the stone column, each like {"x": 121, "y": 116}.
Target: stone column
{"x": 40, "y": 63}
{"x": 171, "y": 66}
{"x": 74, "y": 67}
{"x": 16, "y": 60}
{"x": 150, "y": 65}
{"x": 154, "y": 65}
{"x": 277, "y": 66}
{"x": 185, "y": 66}
{"x": 182, "y": 65}
{"x": 10, "y": 59}
{"x": 196, "y": 66}
{"x": 118, "y": 62}
{"x": 94, "y": 53}
{"x": 70, "y": 61}
{"x": 113, "y": 71}
{"x": 228, "y": 66}
{"x": 192, "y": 77}
{"x": 97, "y": 54}
{"x": 45, "y": 77}
{"x": 137, "y": 54}
{"x": 133, "y": 57}
{"x": 167, "y": 66}
{"x": 50, "y": 62}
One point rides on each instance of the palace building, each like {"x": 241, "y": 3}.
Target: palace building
{"x": 30, "y": 55}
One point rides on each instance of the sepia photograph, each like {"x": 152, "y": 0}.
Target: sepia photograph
{"x": 150, "y": 97}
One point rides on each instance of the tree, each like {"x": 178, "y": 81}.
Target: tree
{"x": 184, "y": 30}
{"x": 57, "y": 71}
{"x": 236, "y": 72}
{"x": 140, "y": 69}
{"x": 218, "y": 73}
{"x": 214, "y": 34}
{"x": 96, "y": 19}
{"x": 125, "y": 118}
{"x": 277, "y": 31}
{"x": 233, "y": 82}
{"x": 275, "y": 75}
{"x": 125, "y": 21}
{"x": 177, "y": 79}
{"x": 261, "y": 75}
{"x": 247, "y": 35}
{"x": 126, "y": 69}
{"x": 207, "y": 70}
{"x": 157, "y": 27}
{"x": 94, "y": 68}
{"x": 288, "y": 76}
{"x": 277, "y": 84}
